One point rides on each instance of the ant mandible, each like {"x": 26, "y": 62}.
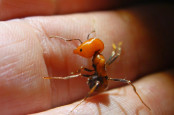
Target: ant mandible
{"x": 98, "y": 80}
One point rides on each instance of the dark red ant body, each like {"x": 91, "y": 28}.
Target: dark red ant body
{"x": 98, "y": 80}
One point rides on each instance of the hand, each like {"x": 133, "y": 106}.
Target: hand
{"x": 28, "y": 54}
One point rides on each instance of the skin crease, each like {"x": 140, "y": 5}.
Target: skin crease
{"x": 27, "y": 55}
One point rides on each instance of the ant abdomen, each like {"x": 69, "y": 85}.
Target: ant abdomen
{"x": 103, "y": 83}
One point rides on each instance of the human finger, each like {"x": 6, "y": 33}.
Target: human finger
{"x": 54, "y": 56}
{"x": 155, "y": 89}
{"x": 21, "y": 69}
{"x": 12, "y": 9}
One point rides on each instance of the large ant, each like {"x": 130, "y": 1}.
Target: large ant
{"x": 98, "y": 80}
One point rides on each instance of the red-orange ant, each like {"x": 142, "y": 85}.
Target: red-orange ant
{"x": 98, "y": 80}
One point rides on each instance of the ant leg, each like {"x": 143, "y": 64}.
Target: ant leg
{"x": 84, "y": 75}
{"x": 67, "y": 77}
{"x": 72, "y": 76}
{"x": 89, "y": 70}
{"x": 90, "y": 34}
{"x": 89, "y": 93}
{"x": 83, "y": 68}
{"x": 130, "y": 83}
{"x": 65, "y": 38}
{"x": 114, "y": 54}
{"x": 86, "y": 69}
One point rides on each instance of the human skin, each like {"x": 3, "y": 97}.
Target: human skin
{"x": 12, "y": 9}
{"x": 28, "y": 54}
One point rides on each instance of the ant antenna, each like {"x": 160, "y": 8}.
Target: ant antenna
{"x": 65, "y": 38}
{"x": 93, "y": 31}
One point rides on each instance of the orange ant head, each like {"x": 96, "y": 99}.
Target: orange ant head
{"x": 88, "y": 48}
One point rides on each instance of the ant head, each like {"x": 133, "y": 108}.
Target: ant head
{"x": 88, "y": 48}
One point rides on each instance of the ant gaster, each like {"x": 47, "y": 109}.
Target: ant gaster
{"x": 98, "y": 81}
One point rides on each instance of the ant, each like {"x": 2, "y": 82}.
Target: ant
{"x": 98, "y": 80}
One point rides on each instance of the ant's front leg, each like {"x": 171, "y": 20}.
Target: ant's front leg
{"x": 115, "y": 53}
{"x": 130, "y": 83}
{"x": 67, "y": 77}
{"x": 75, "y": 74}
{"x": 86, "y": 69}
{"x": 83, "y": 68}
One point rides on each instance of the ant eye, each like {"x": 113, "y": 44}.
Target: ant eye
{"x": 81, "y": 50}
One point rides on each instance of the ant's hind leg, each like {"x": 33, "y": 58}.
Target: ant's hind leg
{"x": 89, "y": 93}
{"x": 130, "y": 83}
